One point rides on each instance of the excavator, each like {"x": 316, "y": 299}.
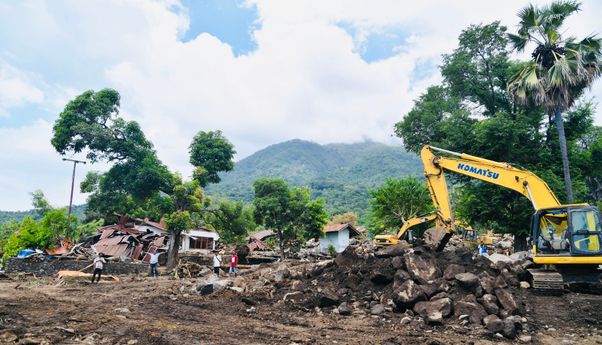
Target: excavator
{"x": 565, "y": 239}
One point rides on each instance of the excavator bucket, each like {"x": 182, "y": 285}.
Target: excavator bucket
{"x": 437, "y": 237}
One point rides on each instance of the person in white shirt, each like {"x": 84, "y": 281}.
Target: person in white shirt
{"x": 154, "y": 262}
{"x": 98, "y": 264}
{"x": 217, "y": 262}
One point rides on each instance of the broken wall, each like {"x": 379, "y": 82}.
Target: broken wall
{"x": 48, "y": 267}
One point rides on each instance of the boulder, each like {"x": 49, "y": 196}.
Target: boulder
{"x": 451, "y": 271}
{"x": 433, "y": 312}
{"x": 487, "y": 283}
{"x": 281, "y": 274}
{"x": 398, "y": 249}
{"x": 429, "y": 289}
{"x": 467, "y": 280}
{"x": 352, "y": 281}
{"x": 345, "y": 309}
{"x": 525, "y": 285}
{"x": 346, "y": 258}
{"x": 439, "y": 296}
{"x": 500, "y": 283}
{"x": 377, "y": 309}
{"x": 489, "y": 302}
{"x": 422, "y": 266}
{"x": 397, "y": 262}
{"x": 509, "y": 329}
{"x": 381, "y": 277}
{"x": 408, "y": 294}
{"x": 506, "y": 300}
{"x": 328, "y": 299}
{"x": 475, "y": 311}
{"x": 493, "y": 323}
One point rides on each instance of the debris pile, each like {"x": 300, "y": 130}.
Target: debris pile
{"x": 430, "y": 288}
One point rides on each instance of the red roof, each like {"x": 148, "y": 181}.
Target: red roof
{"x": 339, "y": 227}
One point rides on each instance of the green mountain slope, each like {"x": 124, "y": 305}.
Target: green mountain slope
{"x": 17, "y": 216}
{"x": 340, "y": 173}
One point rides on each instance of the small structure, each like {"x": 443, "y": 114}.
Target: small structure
{"x": 337, "y": 235}
{"x": 255, "y": 241}
{"x": 199, "y": 239}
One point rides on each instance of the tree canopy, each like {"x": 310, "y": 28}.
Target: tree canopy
{"x": 210, "y": 153}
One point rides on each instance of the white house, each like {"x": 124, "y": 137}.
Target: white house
{"x": 199, "y": 239}
{"x": 337, "y": 235}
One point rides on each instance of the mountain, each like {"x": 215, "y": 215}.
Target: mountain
{"x": 17, "y": 216}
{"x": 340, "y": 173}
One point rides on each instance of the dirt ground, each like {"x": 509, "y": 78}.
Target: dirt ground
{"x": 139, "y": 310}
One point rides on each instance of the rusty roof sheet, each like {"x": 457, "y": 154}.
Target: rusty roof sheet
{"x": 262, "y": 234}
{"x": 115, "y": 246}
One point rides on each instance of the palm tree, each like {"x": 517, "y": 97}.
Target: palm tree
{"x": 560, "y": 68}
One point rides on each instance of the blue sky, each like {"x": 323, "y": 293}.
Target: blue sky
{"x": 262, "y": 71}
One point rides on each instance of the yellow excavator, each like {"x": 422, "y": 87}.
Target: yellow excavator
{"x": 565, "y": 239}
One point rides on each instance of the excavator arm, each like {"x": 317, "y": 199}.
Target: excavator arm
{"x": 501, "y": 174}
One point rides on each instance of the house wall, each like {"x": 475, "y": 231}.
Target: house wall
{"x": 47, "y": 267}
{"x": 340, "y": 240}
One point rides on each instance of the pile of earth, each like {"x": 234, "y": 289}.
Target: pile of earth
{"x": 428, "y": 288}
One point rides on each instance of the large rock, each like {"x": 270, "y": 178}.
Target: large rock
{"x": 475, "y": 311}
{"x": 489, "y": 302}
{"x": 377, "y": 309}
{"x": 346, "y": 258}
{"x": 408, "y": 294}
{"x": 493, "y": 323}
{"x": 393, "y": 250}
{"x": 451, "y": 271}
{"x": 352, "y": 281}
{"x": 509, "y": 329}
{"x": 506, "y": 300}
{"x": 281, "y": 274}
{"x": 433, "y": 312}
{"x": 345, "y": 309}
{"x": 422, "y": 266}
{"x": 487, "y": 283}
{"x": 381, "y": 277}
{"x": 328, "y": 299}
{"x": 397, "y": 262}
{"x": 467, "y": 280}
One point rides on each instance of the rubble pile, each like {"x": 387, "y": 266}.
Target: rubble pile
{"x": 429, "y": 288}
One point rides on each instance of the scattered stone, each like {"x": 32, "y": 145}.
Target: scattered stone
{"x": 377, "y": 309}
{"x": 467, "y": 280}
{"x": 509, "y": 330}
{"x": 422, "y": 266}
{"x": 248, "y": 301}
{"x": 328, "y": 299}
{"x": 398, "y": 249}
{"x": 475, "y": 311}
{"x": 281, "y": 274}
{"x": 397, "y": 262}
{"x": 408, "y": 294}
{"x": 506, "y": 300}
{"x": 122, "y": 310}
{"x": 344, "y": 309}
{"x": 433, "y": 312}
{"x": 525, "y": 338}
{"x": 406, "y": 320}
{"x": 524, "y": 285}
{"x": 295, "y": 296}
{"x": 489, "y": 302}
{"x": 451, "y": 271}
{"x": 493, "y": 323}
{"x": 381, "y": 278}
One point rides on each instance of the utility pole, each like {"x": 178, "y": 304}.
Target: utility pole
{"x": 72, "y": 179}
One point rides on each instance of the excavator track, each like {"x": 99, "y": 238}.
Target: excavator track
{"x": 546, "y": 281}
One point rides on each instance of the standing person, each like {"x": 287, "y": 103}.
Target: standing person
{"x": 217, "y": 262}
{"x": 98, "y": 264}
{"x": 234, "y": 263}
{"x": 154, "y": 262}
{"x": 482, "y": 249}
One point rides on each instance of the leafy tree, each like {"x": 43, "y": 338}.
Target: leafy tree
{"x": 345, "y": 218}
{"x": 288, "y": 211}
{"x": 210, "y": 153}
{"x": 394, "y": 202}
{"x": 476, "y": 70}
{"x": 177, "y": 222}
{"x": 90, "y": 122}
{"x": 560, "y": 68}
{"x": 232, "y": 220}
{"x": 40, "y": 204}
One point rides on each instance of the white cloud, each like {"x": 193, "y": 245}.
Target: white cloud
{"x": 16, "y": 88}
{"x": 305, "y": 79}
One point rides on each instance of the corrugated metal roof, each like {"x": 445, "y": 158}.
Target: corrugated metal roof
{"x": 339, "y": 227}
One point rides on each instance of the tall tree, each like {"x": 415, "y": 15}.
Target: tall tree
{"x": 560, "y": 68}
{"x": 210, "y": 153}
{"x": 394, "y": 202}
{"x": 288, "y": 211}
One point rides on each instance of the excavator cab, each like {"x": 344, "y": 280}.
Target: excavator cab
{"x": 566, "y": 231}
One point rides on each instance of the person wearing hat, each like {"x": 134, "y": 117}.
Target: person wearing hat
{"x": 217, "y": 262}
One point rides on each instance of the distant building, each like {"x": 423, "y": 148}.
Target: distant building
{"x": 200, "y": 239}
{"x": 337, "y": 235}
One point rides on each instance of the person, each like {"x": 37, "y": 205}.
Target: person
{"x": 98, "y": 264}
{"x": 234, "y": 263}
{"x": 217, "y": 262}
{"x": 482, "y": 249}
{"x": 154, "y": 262}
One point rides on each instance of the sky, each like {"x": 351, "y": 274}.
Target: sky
{"x": 261, "y": 71}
